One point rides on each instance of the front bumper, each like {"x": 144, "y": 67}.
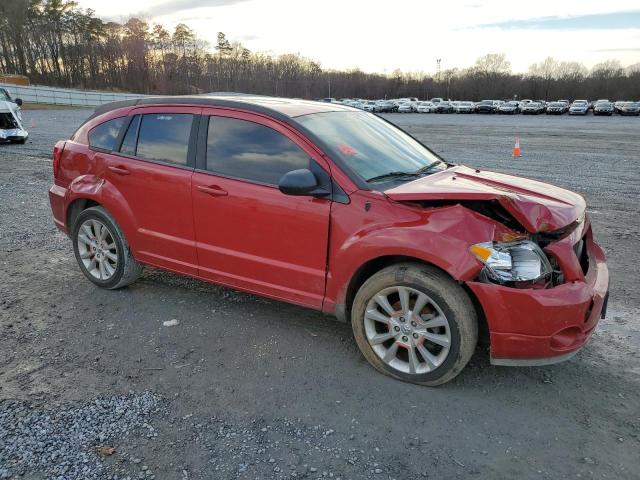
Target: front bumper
{"x": 544, "y": 326}
{"x": 13, "y": 134}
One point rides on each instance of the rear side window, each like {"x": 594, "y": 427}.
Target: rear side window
{"x": 164, "y": 137}
{"x": 243, "y": 149}
{"x": 104, "y": 136}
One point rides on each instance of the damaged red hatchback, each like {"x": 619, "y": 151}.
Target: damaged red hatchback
{"x": 338, "y": 210}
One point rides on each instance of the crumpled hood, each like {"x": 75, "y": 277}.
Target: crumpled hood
{"x": 11, "y": 109}
{"x": 539, "y": 207}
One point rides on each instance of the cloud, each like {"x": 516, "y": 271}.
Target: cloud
{"x": 623, "y": 49}
{"x": 248, "y": 38}
{"x": 172, "y": 6}
{"x": 599, "y": 21}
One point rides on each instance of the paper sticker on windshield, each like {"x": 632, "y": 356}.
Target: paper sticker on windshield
{"x": 347, "y": 150}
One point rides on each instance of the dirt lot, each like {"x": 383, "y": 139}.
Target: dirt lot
{"x": 249, "y": 388}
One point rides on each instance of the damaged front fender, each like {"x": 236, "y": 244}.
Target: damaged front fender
{"x": 438, "y": 236}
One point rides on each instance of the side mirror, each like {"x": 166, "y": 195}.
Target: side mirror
{"x": 18, "y": 101}
{"x": 300, "y": 182}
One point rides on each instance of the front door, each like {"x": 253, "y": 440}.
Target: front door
{"x": 249, "y": 235}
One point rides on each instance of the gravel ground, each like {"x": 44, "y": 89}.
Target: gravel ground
{"x": 58, "y": 442}
{"x": 245, "y": 387}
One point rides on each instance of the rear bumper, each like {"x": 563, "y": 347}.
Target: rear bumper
{"x": 540, "y": 327}
{"x": 57, "y": 199}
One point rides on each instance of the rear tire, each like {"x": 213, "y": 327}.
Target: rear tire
{"x": 429, "y": 346}
{"x": 102, "y": 251}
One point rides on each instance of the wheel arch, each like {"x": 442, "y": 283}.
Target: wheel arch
{"x": 369, "y": 268}
{"x": 77, "y": 206}
{"x": 374, "y": 265}
{"x": 89, "y": 191}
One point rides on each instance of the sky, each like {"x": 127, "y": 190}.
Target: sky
{"x": 383, "y": 35}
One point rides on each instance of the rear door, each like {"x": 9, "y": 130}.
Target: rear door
{"x": 152, "y": 170}
{"x": 249, "y": 234}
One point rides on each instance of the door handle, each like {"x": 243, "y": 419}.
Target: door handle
{"x": 213, "y": 190}
{"x": 119, "y": 170}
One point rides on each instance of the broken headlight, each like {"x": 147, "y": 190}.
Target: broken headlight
{"x": 512, "y": 262}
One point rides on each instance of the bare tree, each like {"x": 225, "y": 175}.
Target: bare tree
{"x": 55, "y": 42}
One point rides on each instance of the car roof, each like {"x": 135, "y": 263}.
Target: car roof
{"x": 274, "y": 106}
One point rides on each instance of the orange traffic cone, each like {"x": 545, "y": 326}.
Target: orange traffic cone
{"x": 516, "y": 148}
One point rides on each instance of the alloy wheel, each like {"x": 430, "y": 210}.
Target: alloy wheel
{"x": 97, "y": 249}
{"x": 407, "y": 329}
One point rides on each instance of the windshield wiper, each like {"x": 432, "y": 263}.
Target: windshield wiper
{"x": 426, "y": 168}
{"x": 391, "y": 175}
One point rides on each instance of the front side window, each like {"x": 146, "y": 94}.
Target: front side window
{"x": 248, "y": 150}
{"x": 368, "y": 145}
{"x": 164, "y": 137}
{"x": 104, "y": 136}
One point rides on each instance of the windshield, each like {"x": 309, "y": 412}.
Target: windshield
{"x": 368, "y": 145}
{"x": 4, "y": 95}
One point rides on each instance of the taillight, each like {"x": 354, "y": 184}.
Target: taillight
{"x": 57, "y": 155}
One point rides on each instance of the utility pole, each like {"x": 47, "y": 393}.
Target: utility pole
{"x": 329, "y": 85}
{"x": 438, "y": 61}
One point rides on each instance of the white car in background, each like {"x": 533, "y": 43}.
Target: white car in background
{"x": 464, "y": 107}
{"x": 509, "y": 108}
{"x": 405, "y": 107}
{"x": 579, "y": 107}
{"x": 425, "y": 107}
{"x": 11, "y": 129}
{"x": 532, "y": 108}
{"x": 370, "y": 106}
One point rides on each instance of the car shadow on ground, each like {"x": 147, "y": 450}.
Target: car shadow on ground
{"x": 324, "y": 337}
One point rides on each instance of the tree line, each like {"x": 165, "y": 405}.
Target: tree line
{"x": 54, "y": 42}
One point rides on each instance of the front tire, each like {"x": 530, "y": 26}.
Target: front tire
{"x": 414, "y": 323}
{"x": 102, "y": 251}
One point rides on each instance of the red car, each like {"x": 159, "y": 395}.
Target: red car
{"x": 335, "y": 209}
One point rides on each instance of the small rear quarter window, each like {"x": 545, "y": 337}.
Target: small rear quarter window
{"x": 104, "y": 136}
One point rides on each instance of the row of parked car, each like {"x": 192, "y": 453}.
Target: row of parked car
{"x": 510, "y": 107}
